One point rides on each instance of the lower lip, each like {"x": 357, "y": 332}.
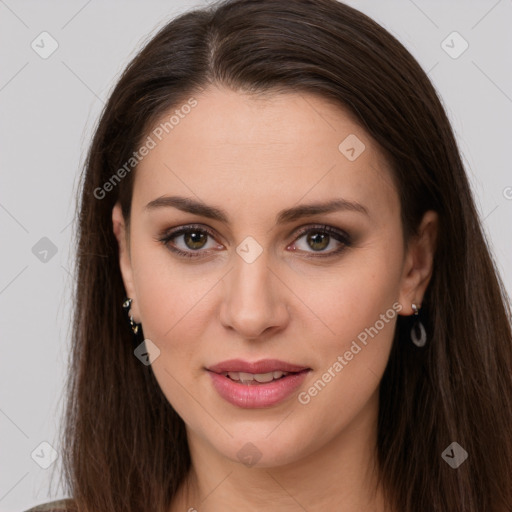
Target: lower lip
{"x": 257, "y": 396}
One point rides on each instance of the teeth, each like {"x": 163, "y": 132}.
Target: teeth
{"x": 258, "y": 377}
{"x": 246, "y": 377}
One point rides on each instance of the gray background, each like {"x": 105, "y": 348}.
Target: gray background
{"x": 48, "y": 110}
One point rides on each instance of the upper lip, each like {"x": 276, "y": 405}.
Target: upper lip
{"x": 262, "y": 366}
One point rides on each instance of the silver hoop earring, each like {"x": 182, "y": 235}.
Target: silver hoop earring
{"x": 418, "y": 332}
{"x": 134, "y": 325}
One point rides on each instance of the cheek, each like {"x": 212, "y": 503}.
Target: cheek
{"x": 362, "y": 312}
{"x": 172, "y": 309}
{"x": 353, "y": 298}
{"x": 169, "y": 301}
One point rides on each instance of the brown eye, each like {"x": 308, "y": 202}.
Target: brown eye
{"x": 192, "y": 241}
{"x": 195, "y": 239}
{"x": 318, "y": 241}
{"x": 319, "y": 238}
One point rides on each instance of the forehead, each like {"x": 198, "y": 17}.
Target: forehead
{"x": 235, "y": 145}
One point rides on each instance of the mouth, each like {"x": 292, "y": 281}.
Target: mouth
{"x": 256, "y": 385}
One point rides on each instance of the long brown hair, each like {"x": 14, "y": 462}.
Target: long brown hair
{"x": 125, "y": 448}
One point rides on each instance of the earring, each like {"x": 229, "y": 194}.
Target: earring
{"x": 134, "y": 325}
{"x": 418, "y": 332}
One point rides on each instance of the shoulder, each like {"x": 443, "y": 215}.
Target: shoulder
{"x": 62, "y": 505}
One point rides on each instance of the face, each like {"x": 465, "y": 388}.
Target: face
{"x": 225, "y": 261}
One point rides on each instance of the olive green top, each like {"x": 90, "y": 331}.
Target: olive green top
{"x": 63, "y": 505}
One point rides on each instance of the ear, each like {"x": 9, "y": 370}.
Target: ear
{"x": 123, "y": 240}
{"x": 418, "y": 263}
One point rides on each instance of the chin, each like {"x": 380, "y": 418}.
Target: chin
{"x": 265, "y": 446}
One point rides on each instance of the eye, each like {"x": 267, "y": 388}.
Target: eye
{"x": 320, "y": 237}
{"x": 194, "y": 238}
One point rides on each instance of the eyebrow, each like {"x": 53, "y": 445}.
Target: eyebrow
{"x": 190, "y": 205}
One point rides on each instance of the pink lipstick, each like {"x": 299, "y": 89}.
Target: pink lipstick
{"x": 255, "y": 385}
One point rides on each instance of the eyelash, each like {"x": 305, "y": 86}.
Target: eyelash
{"x": 337, "y": 234}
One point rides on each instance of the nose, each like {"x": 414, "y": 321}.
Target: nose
{"x": 254, "y": 300}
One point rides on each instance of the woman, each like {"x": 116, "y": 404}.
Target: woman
{"x": 275, "y": 199}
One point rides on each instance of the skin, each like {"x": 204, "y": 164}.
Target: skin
{"x": 252, "y": 157}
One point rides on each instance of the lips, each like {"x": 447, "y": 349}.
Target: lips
{"x": 256, "y": 385}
